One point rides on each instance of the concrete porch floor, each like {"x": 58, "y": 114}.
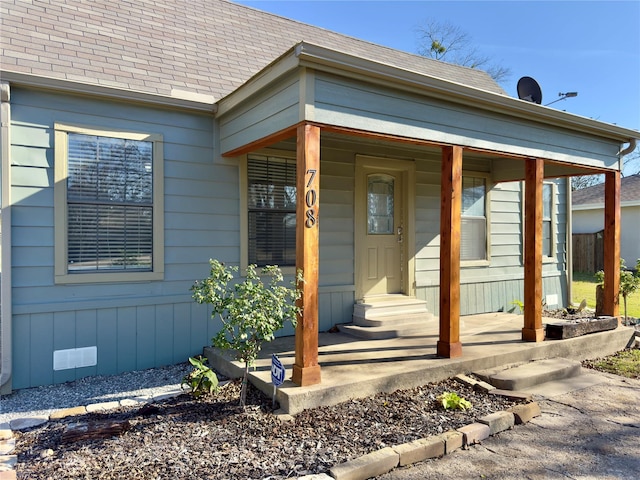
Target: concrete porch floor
{"x": 356, "y": 368}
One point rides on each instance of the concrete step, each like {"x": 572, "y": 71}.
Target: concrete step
{"x": 383, "y": 332}
{"x": 384, "y": 305}
{"x": 388, "y": 316}
{"x": 399, "y": 320}
{"x": 527, "y": 375}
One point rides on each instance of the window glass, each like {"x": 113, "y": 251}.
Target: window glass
{"x": 473, "y": 196}
{"x": 271, "y": 211}
{"x": 380, "y": 205}
{"x": 109, "y": 204}
{"x": 473, "y": 235}
{"x": 547, "y": 205}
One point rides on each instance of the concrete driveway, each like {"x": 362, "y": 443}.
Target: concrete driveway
{"x": 587, "y": 430}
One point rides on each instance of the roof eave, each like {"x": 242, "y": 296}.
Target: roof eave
{"x": 600, "y": 205}
{"x": 179, "y": 98}
{"x": 323, "y": 59}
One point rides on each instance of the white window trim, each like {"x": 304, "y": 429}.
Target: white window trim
{"x": 487, "y": 213}
{"x": 62, "y": 276}
{"x": 553, "y": 219}
{"x": 244, "y": 206}
{"x": 554, "y": 222}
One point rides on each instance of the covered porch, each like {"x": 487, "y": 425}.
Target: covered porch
{"x": 354, "y": 368}
{"x": 312, "y": 96}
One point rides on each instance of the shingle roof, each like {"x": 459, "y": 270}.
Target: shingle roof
{"x": 153, "y": 46}
{"x": 629, "y": 192}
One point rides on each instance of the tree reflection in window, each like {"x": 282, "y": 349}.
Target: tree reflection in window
{"x": 110, "y": 204}
{"x": 271, "y": 211}
{"x": 380, "y": 205}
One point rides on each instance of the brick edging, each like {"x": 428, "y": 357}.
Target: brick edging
{"x": 384, "y": 460}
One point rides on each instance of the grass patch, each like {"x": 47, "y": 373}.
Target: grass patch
{"x": 584, "y": 286}
{"x": 625, "y": 363}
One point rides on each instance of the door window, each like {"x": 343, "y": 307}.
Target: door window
{"x": 380, "y": 205}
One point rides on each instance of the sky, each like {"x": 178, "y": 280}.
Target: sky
{"x": 589, "y": 47}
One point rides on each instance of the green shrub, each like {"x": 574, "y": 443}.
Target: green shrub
{"x": 629, "y": 282}
{"x": 452, "y": 401}
{"x": 202, "y": 380}
{"x": 251, "y": 311}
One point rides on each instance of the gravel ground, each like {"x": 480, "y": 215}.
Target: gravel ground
{"x": 213, "y": 438}
{"x": 43, "y": 400}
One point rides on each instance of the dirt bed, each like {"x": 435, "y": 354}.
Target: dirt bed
{"x": 213, "y": 438}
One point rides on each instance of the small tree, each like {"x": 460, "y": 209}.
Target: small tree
{"x": 449, "y": 43}
{"x": 629, "y": 282}
{"x": 251, "y": 311}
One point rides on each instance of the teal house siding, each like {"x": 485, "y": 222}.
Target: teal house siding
{"x": 387, "y": 110}
{"x": 139, "y": 325}
{"x": 134, "y": 325}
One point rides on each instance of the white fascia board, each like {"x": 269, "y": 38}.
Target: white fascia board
{"x": 180, "y": 99}
{"x": 596, "y": 206}
{"x": 587, "y": 206}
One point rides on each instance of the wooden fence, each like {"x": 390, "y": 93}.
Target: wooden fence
{"x": 588, "y": 252}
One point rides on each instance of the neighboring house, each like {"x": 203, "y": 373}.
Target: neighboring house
{"x": 141, "y": 139}
{"x": 587, "y": 206}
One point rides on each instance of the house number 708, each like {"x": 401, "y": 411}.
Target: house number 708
{"x": 311, "y": 199}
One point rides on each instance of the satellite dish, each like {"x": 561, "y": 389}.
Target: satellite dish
{"x": 529, "y": 90}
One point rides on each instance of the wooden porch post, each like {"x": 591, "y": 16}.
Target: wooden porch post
{"x": 611, "y": 304}
{"x": 534, "y": 171}
{"x": 450, "y": 210}
{"x": 306, "y": 370}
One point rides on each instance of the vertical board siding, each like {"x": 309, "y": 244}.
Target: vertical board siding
{"x": 107, "y": 341}
{"x": 64, "y": 337}
{"x": 40, "y": 348}
{"x": 129, "y": 338}
{"x": 126, "y": 330}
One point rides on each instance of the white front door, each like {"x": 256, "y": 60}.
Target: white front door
{"x": 381, "y": 217}
{"x": 384, "y": 230}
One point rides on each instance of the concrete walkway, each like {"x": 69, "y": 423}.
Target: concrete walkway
{"x": 589, "y": 429}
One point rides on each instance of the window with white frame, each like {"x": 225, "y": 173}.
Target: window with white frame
{"x": 108, "y": 205}
{"x": 271, "y": 211}
{"x": 547, "y": 223}
{"x": 473, "y": 236}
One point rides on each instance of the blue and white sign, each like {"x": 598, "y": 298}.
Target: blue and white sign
{"x": 277, "y": 371}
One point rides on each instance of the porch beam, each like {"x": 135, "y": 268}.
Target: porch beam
{"x": 449, "y": 345}
{"x": 263, "y": 142}
{"x": 306, "y": 370}
{"x": 611, "y": 303}
{"x": 534, "y": 175}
